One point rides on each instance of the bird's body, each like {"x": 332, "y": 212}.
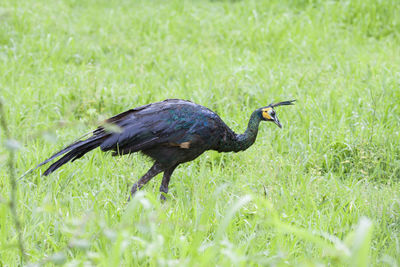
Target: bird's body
{"x": 171, "y": 132}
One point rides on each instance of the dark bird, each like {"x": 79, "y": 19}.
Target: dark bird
{"x": 170, "y": 132}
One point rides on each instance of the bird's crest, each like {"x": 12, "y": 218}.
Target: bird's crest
{"x": 283, "y": 103}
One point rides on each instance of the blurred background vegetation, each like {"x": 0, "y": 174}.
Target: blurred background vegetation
{"x": 323, "y": 190}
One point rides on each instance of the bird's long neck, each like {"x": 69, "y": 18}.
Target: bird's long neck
{"x": 245, "y": 140}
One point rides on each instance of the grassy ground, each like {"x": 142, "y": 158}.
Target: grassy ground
{"x": 323, "y": 190}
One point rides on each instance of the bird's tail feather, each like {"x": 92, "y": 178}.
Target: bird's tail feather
{"x": 72, "y": 152}
{"x": 74, "y": 145}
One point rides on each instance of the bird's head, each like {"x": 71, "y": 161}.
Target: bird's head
{"x": 268, "y": 113}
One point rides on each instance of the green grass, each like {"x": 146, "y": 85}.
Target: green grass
{"x": 323, "y": 190}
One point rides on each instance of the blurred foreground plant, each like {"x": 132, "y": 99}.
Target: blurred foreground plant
{"x": 12, "y": 145}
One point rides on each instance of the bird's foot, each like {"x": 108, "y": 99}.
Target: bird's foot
{"x": 133, "y": 191}
{"x": 163, "y": 192}
{"x": 163, "y": 197}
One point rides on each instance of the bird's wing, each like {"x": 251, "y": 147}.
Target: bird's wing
{"x": 176, "y": 125}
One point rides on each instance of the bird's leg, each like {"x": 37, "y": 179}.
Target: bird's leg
{"x": 165, "y": 181}
{"x": 154, "y": 170}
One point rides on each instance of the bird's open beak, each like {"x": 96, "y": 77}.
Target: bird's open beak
{"x": 276, "y": 121}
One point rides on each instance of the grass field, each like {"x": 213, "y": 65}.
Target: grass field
{"x": 324, "y": 190}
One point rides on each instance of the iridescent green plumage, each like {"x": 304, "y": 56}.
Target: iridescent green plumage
{"x": 240, "y": 142}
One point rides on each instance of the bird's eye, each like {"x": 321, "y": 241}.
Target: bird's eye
{"x": 272, "y": 113}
